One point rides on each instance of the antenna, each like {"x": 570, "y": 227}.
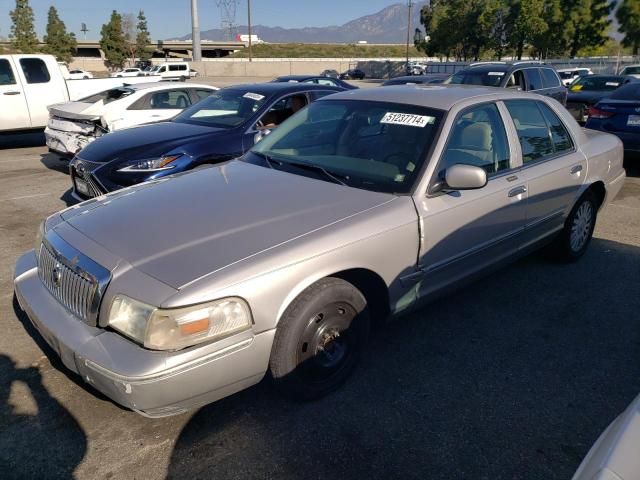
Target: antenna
{"x": 228, "y": 17}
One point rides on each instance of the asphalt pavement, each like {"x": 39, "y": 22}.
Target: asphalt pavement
{"x": 512, "y": 377}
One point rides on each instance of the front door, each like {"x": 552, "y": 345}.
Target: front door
{"x": 15, "y": 114}
{"x": 467, "y": 230}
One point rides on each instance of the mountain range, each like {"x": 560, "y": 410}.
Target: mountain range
{"x": 389, "y": 25}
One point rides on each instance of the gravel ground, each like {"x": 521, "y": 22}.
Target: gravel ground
{"x": 512, "y": 377}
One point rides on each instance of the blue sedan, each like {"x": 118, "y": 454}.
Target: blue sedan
{"x": 619, "y": 114}
{"x": 219, "y": 128}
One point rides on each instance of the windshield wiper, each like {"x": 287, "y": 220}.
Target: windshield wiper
{"x": 316, "y": 168}
{"x": 267, "y": 159}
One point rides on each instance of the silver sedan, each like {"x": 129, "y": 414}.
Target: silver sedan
{"x": 174, "y": 293}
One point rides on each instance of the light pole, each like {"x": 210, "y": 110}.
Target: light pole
{"x": 195, "y": 32}
{"x": 409, "y": 4}
{"x": 249, "y": 26}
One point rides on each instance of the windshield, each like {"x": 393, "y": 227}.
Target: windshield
{"x": 567, "y": 75}
{"x": 471, "y": 77}
{"x": 108, "y": 96}
{"x": 226, "y": 108}
{"x": 591, "y": 83}
{"x": 370, "y": 145}
{"x": 631, "y": 70}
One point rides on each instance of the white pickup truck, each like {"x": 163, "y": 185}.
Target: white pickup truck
{"x": 29, "y": 83}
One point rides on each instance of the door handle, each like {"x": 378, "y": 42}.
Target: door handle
{"x": 517, "y": 191}
{"x": 12, "y": 93}
{"x": 576, "y": 169}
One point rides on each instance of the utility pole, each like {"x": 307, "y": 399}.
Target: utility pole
{"x": 249, "y": 25}
{"x": 409, "y": 4}
{"x": 195, "y": 32}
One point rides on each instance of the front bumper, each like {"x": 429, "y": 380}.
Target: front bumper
{"x": 152, "y": 383}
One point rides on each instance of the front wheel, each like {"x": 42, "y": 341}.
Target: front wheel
{"x": 576, "y": 235}
{"x": 319, "y": 339}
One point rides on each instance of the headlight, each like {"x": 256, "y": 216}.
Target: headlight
{"x": 151, "y": 164}
{"x": 173, "y": 329}
{"x": 39, "y": 237}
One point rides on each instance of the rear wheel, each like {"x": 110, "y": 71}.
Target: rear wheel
{"x": 574, "y": 239}
{"x": 320, "y": 339}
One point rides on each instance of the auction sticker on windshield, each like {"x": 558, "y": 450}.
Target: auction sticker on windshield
{"x": 495, "y": 74}
{"x": 253, "y": 96}
{"x": 407, "y": 119}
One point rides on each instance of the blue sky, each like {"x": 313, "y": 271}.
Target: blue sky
{"x": 171, "y": 18}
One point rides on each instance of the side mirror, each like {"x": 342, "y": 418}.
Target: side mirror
{"x": 465, "y": 177}
{"x": 260, "y": 135}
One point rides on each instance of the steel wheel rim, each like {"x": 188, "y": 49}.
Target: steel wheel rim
{"x": 581, "y": 226}
{"x": 327, "y": 345}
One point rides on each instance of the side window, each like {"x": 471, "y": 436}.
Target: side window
{"x": 549, "y": 78}
{"x": 35, "y": 70}
{"x": 327, "y": 81}
{"x": 319, "y": 94}
{"x": 182, "y": 67}
{"x": 533, "y": 78}
{"x": 533, "y": 131}
{"x": 202, "y": 94}
{"x": 281, "y": 110}
{"x": 6, "y": 73}
{"x": 478, "y": 138}
{"x": 162, "y": 69}
{"x": 559, "y": 134}
{"x": 516, "y": 81}
{"x": 174, "y": 99}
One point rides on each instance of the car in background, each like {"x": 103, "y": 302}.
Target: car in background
{"x": 352, "y": 74}
{"x": 631, "y": 70}
{"x": 589, "y": 90}
{"x": 614, "y": 456}
{"x": 193, "y": 73}
{"x": 127, "y": 72}
{"x": 171, "y": 71}
{"x": 432, "y": 78}
{"x": 316, "y": 79}
{"x": 219, "y": 128}
{"x": 364, "y": 206}
{"x": 619, "y": 114}
{"x": 73, "y": 125}
{"x": 569, "y": 75}
{"x": 525, "y": 76}
{"x": 330, "y": 74}
{"x": 79, "y": 75}
{"x": 416, "y": 68}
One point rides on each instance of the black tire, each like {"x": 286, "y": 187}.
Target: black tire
{"x": 576, "y": 235}
{"x": 183, "y": 79}
{"x": 320, "y": 339}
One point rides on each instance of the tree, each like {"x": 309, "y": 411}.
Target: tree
{"x": 628, "y": 16}
{"x": 113, "y": 43}
{"x": 23, "y": 35}
{"x": 553, "y": 41}
{"x": 588, "y": 23}
{"x": 59, "y": 43}
{"x": 525, "y": 23}
{"x": 143, "y": 39}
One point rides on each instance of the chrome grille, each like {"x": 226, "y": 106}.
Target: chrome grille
{"x": 71, "y": 287}
{"x": 84, "y": 170}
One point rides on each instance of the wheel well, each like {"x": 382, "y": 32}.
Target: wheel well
{"x": 600, "y": 192}
{"x": 373, "y": 288}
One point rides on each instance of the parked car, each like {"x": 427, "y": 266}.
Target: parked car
{"x": 366, "y": 204}
{"x": 631, "y": 70}
{"x": 317, "y": 79}
{"x": 193, "y": 73}
{"x": 172, "y": 70}
{"x": 431, "y": 78}
{"x": 28, "y": 83}
{"x": 79, "y": 75}
{"x": 352, "y": 74}
{"x": 569, "y": 75}
{"x": 587, "y": 91}
{"x": 416, "y": 68}
{"x": 619, "y": 114}
{"x": 525, "y": 76}
{"x": 330, "y": 74}
{"x": 73, "y": 125}
{"x": 217, "y": 129}
{"x": 614, "y": 456}
{"x": 127, "y": 72}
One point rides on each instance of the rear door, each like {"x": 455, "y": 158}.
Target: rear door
{"x": 553, "y": 86}
{"x": 14, "y": 114}
{"x": 39, "y": 87}
{"x": 156, "y": 107}
{"x": 553, "y": 167}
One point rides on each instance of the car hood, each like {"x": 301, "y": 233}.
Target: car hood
{"x": 180, "y": 229}
{"x": 145, "y": 141}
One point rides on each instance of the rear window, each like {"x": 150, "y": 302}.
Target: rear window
{"x": 630, "y": 91}
{"x": 474, "y": 77}
{"x": 108, "y": 96}
{"x": 6, "y": 73}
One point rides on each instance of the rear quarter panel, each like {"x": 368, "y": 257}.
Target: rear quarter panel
{"x": 605, "y": 155}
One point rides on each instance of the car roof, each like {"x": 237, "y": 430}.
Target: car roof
{"x": 299, "y": 77}
{"x": 272, "y": 88}
{"x": 501, "y": 67}
{"x": 441, "y": 97}
{"x": 572, "y": 69}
